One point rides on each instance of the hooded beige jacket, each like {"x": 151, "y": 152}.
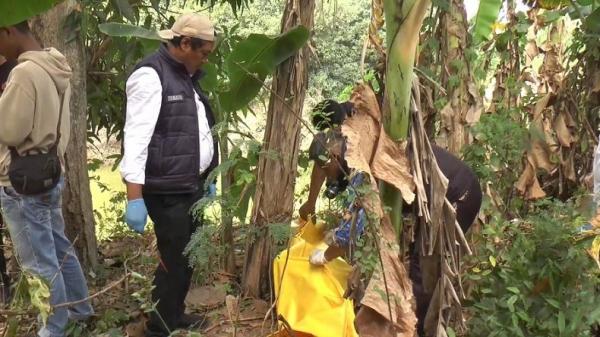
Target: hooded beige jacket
{"x": 29, "y": 107}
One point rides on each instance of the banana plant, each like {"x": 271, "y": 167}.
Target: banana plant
{"x": 403, "y": 23}
{"x": 15, "y": 11}
{"x": 487, "y": 15}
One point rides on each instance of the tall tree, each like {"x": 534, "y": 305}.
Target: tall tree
{"x": 276, "y": 177}
{"x": 463, "y": 107}
{"x": 59, "y": 28}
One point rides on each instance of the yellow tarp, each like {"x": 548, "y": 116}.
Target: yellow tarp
{"x": 311, "y": 298}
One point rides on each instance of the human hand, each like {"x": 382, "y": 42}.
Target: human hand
{"x": 136, "y": 215}
{"x": 317, "y": 258}
{"x": 307, "y": 209}
{"x": 212, "y": 190}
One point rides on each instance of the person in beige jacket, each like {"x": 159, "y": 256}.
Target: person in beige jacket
{"x": 30, "y": 107}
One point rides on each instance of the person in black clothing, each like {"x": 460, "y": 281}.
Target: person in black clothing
{"x": 464, "y": 191}
{"x": 5, "y": 68}
{"x": 169, "y": 152}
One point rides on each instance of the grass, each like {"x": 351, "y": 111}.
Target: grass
{"x": 108, "y": 200}
{"x": 108, "y": 177}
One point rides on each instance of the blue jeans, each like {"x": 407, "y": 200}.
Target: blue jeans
{"x": 37, "y": 230}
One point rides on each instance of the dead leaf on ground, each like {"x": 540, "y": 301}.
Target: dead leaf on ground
{"x": 232, "y": 303}
{"x": 115, "y": 249}
{"x": 259, "y": 307}
{"x": 205, "y": 297}
{"x": 136, "y": 329}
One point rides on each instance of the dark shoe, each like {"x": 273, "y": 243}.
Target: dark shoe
{"x": 192, "y": 321}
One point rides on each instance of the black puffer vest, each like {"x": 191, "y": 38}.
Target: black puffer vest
{"x": 173, "y": 163}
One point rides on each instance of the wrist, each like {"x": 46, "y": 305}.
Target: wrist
{"x": 134, "y": 191}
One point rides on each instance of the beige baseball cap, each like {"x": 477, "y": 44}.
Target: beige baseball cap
{"x": 190, "y": 25}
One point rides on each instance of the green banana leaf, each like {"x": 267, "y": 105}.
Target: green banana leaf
{"x": 592, "y": 22}
{"x": 15, "y": 11}
{"x": 486, "y": 17}
{"x": 126, "y": 30}
{"x": 253, "y": 59}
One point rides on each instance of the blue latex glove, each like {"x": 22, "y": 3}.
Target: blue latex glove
{"x": 586, "y": 227}
{"x": 136, "y": 215}
{"x": 212, "y": 191}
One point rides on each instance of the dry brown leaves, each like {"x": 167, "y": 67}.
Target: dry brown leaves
{"x": 438, "y": 236}
{"x": 387, "y": 307}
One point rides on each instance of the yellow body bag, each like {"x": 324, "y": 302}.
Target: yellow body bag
{"x": 311, "y": 298}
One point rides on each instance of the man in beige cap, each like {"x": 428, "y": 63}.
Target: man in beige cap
{"x": 168, "y": 154}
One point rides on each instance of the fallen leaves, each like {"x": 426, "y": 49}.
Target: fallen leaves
{"x": 205, "y": 297}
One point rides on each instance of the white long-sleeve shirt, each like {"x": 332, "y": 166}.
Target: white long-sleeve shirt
{"x": 144, "y": 97}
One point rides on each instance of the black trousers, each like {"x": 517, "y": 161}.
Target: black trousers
{"x": 4, "y": 280}
{"x": 467, "y": 207}
{"x": 173, "y": 226}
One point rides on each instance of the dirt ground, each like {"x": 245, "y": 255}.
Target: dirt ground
{"x": 121, "y": 290}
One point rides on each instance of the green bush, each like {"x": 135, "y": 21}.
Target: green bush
{"x": 533, "y": 277}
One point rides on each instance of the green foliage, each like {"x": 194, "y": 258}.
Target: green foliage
{"x": 110, "y": 204}
{"x": 39, "y": 295}
{"x": 111, "y": 318}
{"x": 30, "y": 291}
{"x": 204, "y": 250}
{"x": 339, "y": 35}
{"x": 252, "y": 60}
{"x": 487, "y": 15}
{"x": 126, "y": 30}
{"x": 494, "y": 155}
{"x": 112, "y": 59}
{"x": 279, "y": 233}
{"x": 592, "y": 22}
{"x": 15, "y": 11}
{"x": 143, "y": 296}
{"x": 532, "y": 277}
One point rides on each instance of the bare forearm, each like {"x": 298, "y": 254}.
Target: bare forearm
{"x": 317, "y": 178}
{"x": 334, "y": 252}
{"x": 134, "y": 191}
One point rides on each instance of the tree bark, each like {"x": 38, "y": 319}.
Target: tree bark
{"x": 276, "y": 177}
{"x": 59, "y": 28}
{"x": 226, "y": 216}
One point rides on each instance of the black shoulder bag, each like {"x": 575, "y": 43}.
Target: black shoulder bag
{"x": 39, "y": 172}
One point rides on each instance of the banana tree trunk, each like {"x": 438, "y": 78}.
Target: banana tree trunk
{"x": 276, "y": 177}
{"x": 504, "y": 96}
{"x": 463, "y": 107}
{"x": 403, "y": 24}
{"x": 227, "y": 178}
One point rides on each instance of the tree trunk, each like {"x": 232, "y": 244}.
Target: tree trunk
{"x": 59, "y": 28}
{"x": 463, "y": 108}
{"x": 276, "y": 177}
{"x": 505, "y": 97}
{"x": 226, "y": 216}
